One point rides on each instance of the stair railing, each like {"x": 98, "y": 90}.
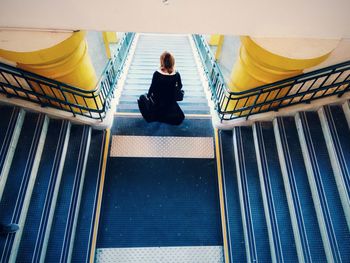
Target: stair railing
{"x": 304, "y": 88}
{"x": 94, "y": 104}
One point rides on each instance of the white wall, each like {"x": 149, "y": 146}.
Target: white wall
{"x": 271, "y": 18}
{"x": 97, "y": 51}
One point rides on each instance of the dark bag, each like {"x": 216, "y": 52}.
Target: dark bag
{"x": 146, "y": 107}
{"x": 179, "y": 95}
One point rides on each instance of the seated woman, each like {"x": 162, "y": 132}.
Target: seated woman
{"x": 164, "y": 92}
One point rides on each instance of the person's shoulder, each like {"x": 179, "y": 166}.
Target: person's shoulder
{"x": 177, "y": 74}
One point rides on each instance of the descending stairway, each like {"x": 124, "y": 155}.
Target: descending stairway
{"x": 160, "y": 198}
{"x": 286, "y": 186}
{"x": 146, "y": 60}
{"x": 50, "y": 175}
{"x": 275, "y": 191}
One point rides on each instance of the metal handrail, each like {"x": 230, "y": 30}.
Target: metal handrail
{"x": 304, "y": 88}
{"x": 94, "y": 104}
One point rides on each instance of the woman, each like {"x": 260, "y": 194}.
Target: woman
{"x": 164, "y": 92}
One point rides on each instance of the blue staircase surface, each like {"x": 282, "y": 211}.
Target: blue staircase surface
{"x": 160, "y": 202}
{"x": 8, "y": 122}
{"x": 146, "y": 61}
{"x": 276, "y": 206}
{"x": 301, "y": 204}
{"x": 82, "y": 243}
{"x": 43, "y": 193}
{"x": 339, "y": 148}
{"x": 325, "y": 189}
{"x": 43, "y": 187}
{"x": 256, "y": 241}
{"x": 62, "y": 231}
{"x": 15, "y": 191}
{"x": 233, "y": 212}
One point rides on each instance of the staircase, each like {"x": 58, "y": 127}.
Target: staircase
{"x": 272, "y": 192}
{"x": 146, "y": 60}
{"x": 286, "y": 187}
{"x": 160, "y": 200}
{"x": 50, "y": 175}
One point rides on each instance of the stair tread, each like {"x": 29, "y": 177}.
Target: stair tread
{"x": 16, "y": 185}
{"x": 70, "y": 173}
{"x": 252, "y": 197}
{"x": 86, "y": 217}
{"x": 340, "y": 133}
{"x": 230, "y": 185}
{"x": 327, "y": 190}
{"x": 275, "y": 193}
{"x": 36, "y": 220}
{"x": 302, "y": 197}
{"x": 7, "y": 126}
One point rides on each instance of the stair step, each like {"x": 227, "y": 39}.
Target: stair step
{"x": 150, "y": 71}
{"x": 303, "y": 215}
{"x": 130, "y": 81}
{"x": 230, "y": 187}
{"x": 37, "y": 225}
{"x": 331, "y": 217}
{"x": 155, "y": 65}
{"x": 252, "y": 209}
{"x": 10, "y": 128}
{"x": 187, "y": 88}
{"x": 199, "y": 104}
{"x": 346, "y": 108}
{"x": 187, "y": 69}
{"x": 187, "y": 100}
{"x": 187, "y": 110}
{"x": 85, "y": 224}
{"x": 274, "y": 196}
{"x": 19, "y": 185}
{"x": 148, "y": 77}
{"x": 139, "y": 91}
{"x": 60, "y": 243}
{"x": 337, "y": 134}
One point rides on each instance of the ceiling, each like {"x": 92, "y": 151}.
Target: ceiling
{"x": 269, "y": 18}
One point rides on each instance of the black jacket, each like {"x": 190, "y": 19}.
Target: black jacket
{"x": 163, "y": 89}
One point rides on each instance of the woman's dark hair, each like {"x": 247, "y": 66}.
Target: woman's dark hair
{"x": 167, "y": 62}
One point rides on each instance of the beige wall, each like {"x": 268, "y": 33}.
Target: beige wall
{"x": 274, "y": 18}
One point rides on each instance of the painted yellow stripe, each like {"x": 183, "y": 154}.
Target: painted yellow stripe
{"x": 221, "y": 195}
{"x": 99, "y": 199}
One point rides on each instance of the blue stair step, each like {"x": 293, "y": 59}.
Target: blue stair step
{"x": 37, "y": 225}
{"x": 10, "y": 126}
{"x": 303, "y": 215}
{"x": 19, "y": 184}
{"x": 62, "y": 233}
{"x": 232, "y": 210}
{"x": 256, "y": 241}
{"x": 275, "y": 201}
{"x": 330, "y": 213}
{"x": 337, "y": 134}
{"x": 346, "y": 108}
{"x": 87, "y": 211}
